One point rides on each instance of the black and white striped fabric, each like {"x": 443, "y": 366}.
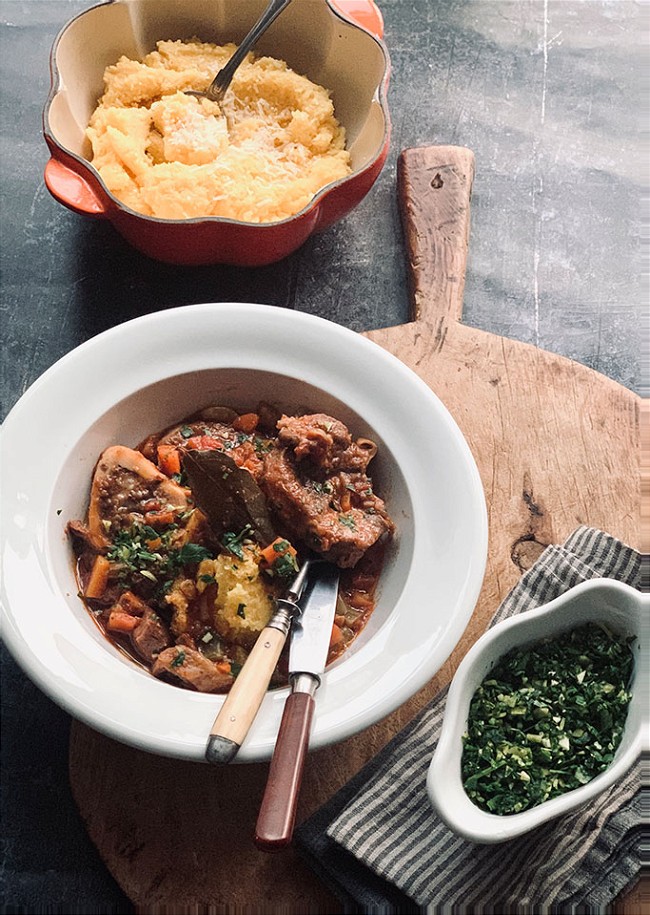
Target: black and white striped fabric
{"x": 383, "y": 850}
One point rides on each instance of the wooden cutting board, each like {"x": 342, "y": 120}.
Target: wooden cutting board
{"x": 557, "y": 445}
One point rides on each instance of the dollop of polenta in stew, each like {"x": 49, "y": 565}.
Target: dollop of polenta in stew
{"x": 191, "y": 535}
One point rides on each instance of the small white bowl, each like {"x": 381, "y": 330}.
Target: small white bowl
{"x": 619, "y": 607}
{"x": 151, "y": 372}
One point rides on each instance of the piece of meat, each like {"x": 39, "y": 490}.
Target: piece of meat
{"x": 312, "y": 510}
{"x": 192, "y": 669}
{"x": 325, "y": 442}
{"x": 82, "y": 533}
{"x": 151, "y": 636}
{"x": 126, "y": 487}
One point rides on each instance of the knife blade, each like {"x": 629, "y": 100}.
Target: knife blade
{"x": 310, "y": 639}
{"x": 244, "y": 699}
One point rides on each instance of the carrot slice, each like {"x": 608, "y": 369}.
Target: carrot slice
{"x": 336, "y": 637}
{"x": 247, "y": 422}
{"x": 98, "y": 579}
{"x": 121, "y": 622}
{"x": 278, "y": 547}
{"x": 169, "y": 459}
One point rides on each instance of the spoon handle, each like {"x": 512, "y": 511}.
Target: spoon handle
{"x": 224, "y": 77}
{"x": 277, "y": 816}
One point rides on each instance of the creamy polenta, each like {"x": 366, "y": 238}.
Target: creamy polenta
{"x": 259, "y": 157}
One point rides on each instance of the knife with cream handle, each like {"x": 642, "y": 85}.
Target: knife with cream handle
{"x": 310, "y": 639}
{"x": 244, "y": 699}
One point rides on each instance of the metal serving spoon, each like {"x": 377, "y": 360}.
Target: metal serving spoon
{"x": 219, "y": 85}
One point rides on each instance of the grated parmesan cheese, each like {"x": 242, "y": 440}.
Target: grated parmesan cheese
{"x": 261, "y": 157}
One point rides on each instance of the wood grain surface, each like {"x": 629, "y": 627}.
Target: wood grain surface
{"x": 557, "y": 445}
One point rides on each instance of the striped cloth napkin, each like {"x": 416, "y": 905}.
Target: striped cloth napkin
{"x": 381, "y": 848}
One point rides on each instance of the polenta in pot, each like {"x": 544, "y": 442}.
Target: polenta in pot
{"x": 261, "y": 156}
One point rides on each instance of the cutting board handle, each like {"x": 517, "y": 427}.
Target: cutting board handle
{"x": 435, "y": 186}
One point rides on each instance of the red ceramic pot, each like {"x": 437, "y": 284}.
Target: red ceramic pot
{"x": 336, "y": 44}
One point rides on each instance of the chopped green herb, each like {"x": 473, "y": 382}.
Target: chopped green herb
{"x": 547, "y": 719}
{"x": 262, "y": 446}
{"x": 235, "y": 668}
{"x": 178, "y": 660}
{"x": 285, "y": 566}
{"x": 187, "y": 431}
{"x": 189, "y": 554}
{"x": 207, "y": 579}
{"x": 348, "y": 521}
{"x": 131, "y": 553}
{"x": 320, "y": 488}
{"x": 233, "y": 542}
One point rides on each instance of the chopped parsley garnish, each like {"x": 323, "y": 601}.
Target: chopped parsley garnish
{"x": 348, "y": 521}
{"x": 320, "y": 488}
{"x": 285, "y": 566}
{"x": 547, "y": 719}
{"x": 131, "y": 551}
{"x": 262, "y": 446}
{"x": 178, "y": 660}
{"x": 187, "y": 431}
{"x": 189, "y": 554}
{"x": 207, "y": 579}
{"x": 233, "y": 543}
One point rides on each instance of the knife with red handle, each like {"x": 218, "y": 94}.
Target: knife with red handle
{"x": 310, "y": 639}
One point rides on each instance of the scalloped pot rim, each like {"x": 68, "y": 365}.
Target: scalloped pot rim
{"x": 361, "y": 99}
{"x": 172, "y": 363}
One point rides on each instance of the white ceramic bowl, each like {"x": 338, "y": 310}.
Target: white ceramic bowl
{"x": 153, "y": 371}
{"x": 619, "y": 607}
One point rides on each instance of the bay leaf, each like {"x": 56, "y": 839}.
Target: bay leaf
{"x": 228, "y": 495}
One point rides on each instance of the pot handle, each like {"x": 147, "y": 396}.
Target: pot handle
{"x": 72, "y": 190}
{"x": 365, "y": 13}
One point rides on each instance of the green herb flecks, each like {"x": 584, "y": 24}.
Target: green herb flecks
{"x": 324, "y": 488}
{"x": 233, "y": 543}
{"x": 285, "y": 566}
{"x": 348, "y": 521}
{"x": 547, "y": 719}
{"x": 134, "y": 556}
{"x": 189, "y": 554}
{"x": 261, "y": 445}
{"x": 178, "y": 660}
